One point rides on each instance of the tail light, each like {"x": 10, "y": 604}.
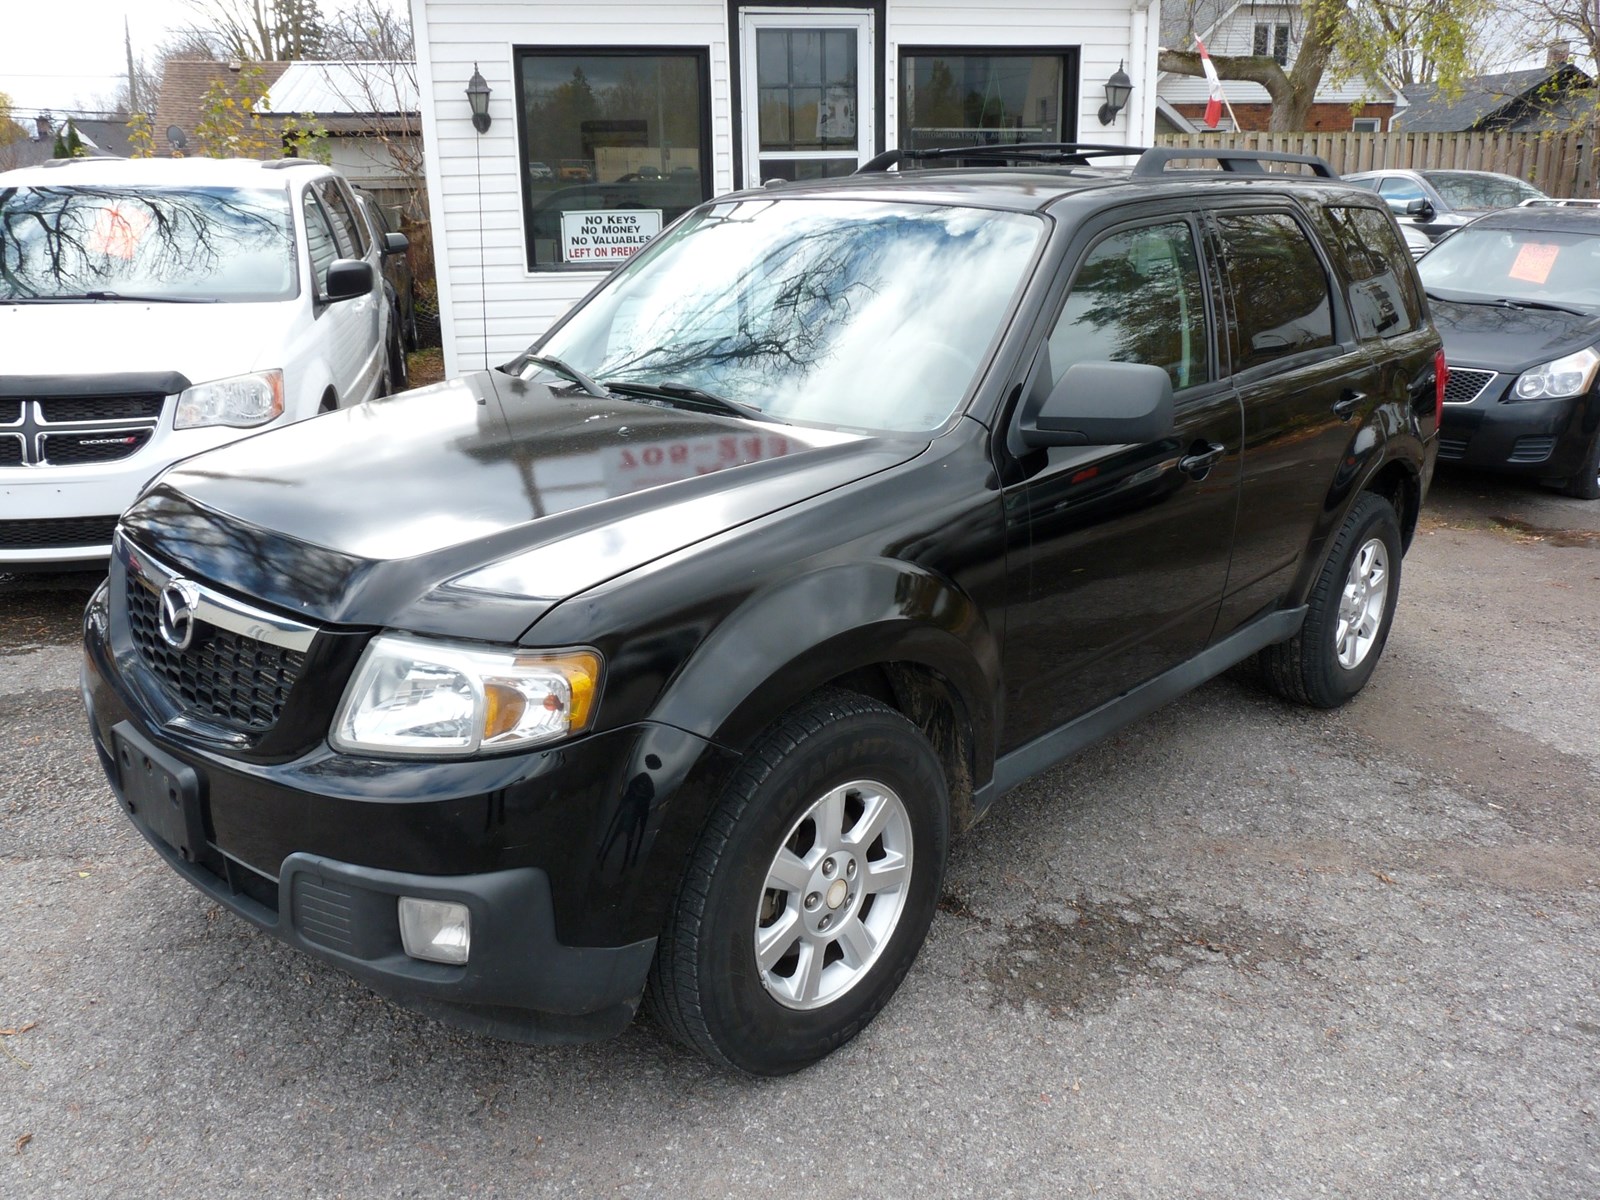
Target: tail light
{"x": 1441, "y": 377}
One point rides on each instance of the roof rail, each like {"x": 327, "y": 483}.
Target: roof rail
{"x": 1559, "y": 202}
{"x": 1242, "y": 162}
{"x": 1076, "y": 154}
{"x": 278, "y": 164}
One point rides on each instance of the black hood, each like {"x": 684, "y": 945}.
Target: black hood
{"x": 364, "y": 516}
{"x": 1497, "y": 337}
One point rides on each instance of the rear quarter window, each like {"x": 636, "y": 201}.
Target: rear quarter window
{"x": 1383, "y": 286}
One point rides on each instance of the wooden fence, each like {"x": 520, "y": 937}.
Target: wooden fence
{"x": 1563, "y": 164}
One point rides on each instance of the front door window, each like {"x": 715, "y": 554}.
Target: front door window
{"x": 807, "y": 94}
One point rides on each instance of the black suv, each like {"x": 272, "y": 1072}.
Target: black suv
{"x": 665, "y": 660}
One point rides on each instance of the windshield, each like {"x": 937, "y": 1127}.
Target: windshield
{"x": 851, "y": 313}
{"x": 1515, "y": 264}
{"x": 161, "y": 243}
{"x": 1479, "y": 189}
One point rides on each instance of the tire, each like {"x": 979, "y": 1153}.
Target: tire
{"x": 1349, "y": 612}
{"x": 396, "y": 376}
{"x": 1585, "y": 485}
{"x": 838, "y": 939}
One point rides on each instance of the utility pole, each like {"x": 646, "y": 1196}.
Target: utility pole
{"x": 133, "y": 79}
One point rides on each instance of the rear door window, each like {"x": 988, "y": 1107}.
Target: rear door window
{"x": 1281, "y": 304}
{"x": 1383, "y": 291}
{"x": 1138, "y": 297}
{"x": 1399, "y": 191}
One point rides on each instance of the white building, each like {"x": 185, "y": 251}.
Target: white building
{"x": 608, "y": 118}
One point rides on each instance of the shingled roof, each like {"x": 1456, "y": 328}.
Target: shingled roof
{"x": 183, "y": 89}
{"x": 1538, "y": 98}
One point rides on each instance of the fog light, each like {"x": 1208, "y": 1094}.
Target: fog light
{"x": 435, "y": 930}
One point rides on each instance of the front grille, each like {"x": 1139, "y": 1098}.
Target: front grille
{"x": 74, "y": 449}
{"x": 221, "y": 677}
{"x": 1466, "y": 385}
{"x": 10, "y": 450}
{"x": 10, "y": 412}
{"x": 57, "y": 533}
{"x": 1531, "y": 449}
{"x": 1450, "y": 447}
{"x": 59, "y": 409}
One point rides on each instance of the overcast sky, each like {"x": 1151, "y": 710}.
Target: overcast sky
{"x": 66, "y": 54}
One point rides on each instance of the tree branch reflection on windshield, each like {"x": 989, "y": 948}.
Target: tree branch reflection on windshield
{"x": 177, "y": 243}
{"x": 857, "y": 314}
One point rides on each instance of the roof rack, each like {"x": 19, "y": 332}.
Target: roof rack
{"x": 1075, "y": 154}
{"x": 1559, "y": 202}
{"x": 1241, "y": 162}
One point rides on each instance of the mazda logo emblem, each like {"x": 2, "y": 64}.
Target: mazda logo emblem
{"x": 179, "y": 599}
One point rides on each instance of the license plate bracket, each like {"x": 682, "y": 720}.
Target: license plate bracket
{"x": 160, "y": 792}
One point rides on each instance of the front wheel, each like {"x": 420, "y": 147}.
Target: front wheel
{"x": 811, "y": 891}
{"x": 1348, "y": 614}
{"x": 1585, "y": 485}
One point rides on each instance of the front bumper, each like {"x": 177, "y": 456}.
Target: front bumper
{"x": 560, "y": 856}
{"x": 1546, "y": 439}
{"x": 66, "y": 515}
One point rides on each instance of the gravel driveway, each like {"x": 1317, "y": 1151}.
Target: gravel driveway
{"x": 1241, "y": 950}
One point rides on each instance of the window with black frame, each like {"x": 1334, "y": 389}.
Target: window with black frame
{"x": 615, "y": 145}
{"x": 984, "y": 97}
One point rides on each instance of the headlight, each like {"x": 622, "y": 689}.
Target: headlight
{"x": 414, "y": 696}
{"x": 242, "y": 401}
{"x": 1569, "y": 376}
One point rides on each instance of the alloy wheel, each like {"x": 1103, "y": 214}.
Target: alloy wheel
{"x": 833, "y": 894}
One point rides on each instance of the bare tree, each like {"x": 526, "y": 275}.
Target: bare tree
{"x": 258, "y": 30}
{"x": 1558, "y": 24}
{"x": 369, "y": 30}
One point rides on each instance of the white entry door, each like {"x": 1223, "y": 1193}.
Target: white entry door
{"x": 807, "y": 92}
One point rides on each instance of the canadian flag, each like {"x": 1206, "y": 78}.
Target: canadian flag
{"x": 1214, "y": 92}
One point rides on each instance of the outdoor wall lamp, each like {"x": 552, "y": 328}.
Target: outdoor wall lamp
{"x": 478, "y": 97}
{"x": 1118, "y": 88}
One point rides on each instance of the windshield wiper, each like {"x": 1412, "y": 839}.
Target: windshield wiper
{"x": 1576, "y": 312}
{"x": 129, "y": 297}
{"x": 694, "y": 397}
{"x": 529, "y": 359}
{"x": 1502, "y": 302}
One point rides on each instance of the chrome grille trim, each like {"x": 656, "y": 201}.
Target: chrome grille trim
{"x": 214, "y": 609}
{"x": 1468, "y": 377}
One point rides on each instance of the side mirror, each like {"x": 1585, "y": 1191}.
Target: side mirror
{"x": 1420, "y": 209}
{"x": 396, "y": 243}
{"x": 1104, "y": 404}
{"x": 347, "y": 279}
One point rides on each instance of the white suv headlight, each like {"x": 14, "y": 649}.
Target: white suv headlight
{"x": 1569, "y": 376}
{"x": 418, "y": 697}
{"x": 243, "y": 401}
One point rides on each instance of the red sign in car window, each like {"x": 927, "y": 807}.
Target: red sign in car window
{"x": 1533, "y": 262}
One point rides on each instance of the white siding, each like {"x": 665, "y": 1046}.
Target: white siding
{"x": 366, "y": 161}
{"x": 490, "y": 304}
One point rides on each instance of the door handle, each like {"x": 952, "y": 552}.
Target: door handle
{"x": 1202, "y": 455}
{"x": 1347, "y": 403}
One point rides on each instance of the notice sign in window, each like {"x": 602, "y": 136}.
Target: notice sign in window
{"x": 1533, "y": 262}
{"x": 607, "y": 236}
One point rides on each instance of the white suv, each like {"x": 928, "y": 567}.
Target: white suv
{"x": 151, "y": 309}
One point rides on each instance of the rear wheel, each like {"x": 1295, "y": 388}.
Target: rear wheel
{"x": 396, "y": 376}
{"x": 1348, "y": 614}
{"x": 811, "y": 891}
